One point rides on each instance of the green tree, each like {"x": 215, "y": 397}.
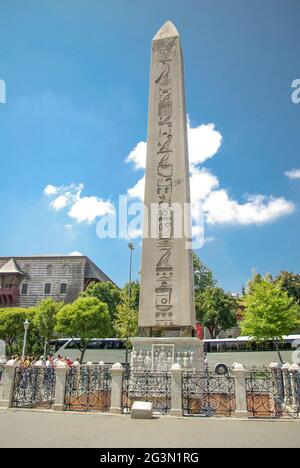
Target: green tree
{"x": 216, "y": 310}
{"x": 269, "y": 312}
{"x": 11, "y": 327}
{"x": 45, "y": 319}
{"x": 126, "y": 322}
{"x": 86, "y": 318}
{"x": 34, "y": 344}
{"x": 290, "y": 282}
{"x": 203, "y": 277}
{"x": 12, "y": 330}
{"x": 106, "y": 292}
{"x": 133, "y": 290}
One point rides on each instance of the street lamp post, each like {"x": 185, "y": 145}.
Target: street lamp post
{"x": 26, "y": 326}
{"x": 131, "y": 248}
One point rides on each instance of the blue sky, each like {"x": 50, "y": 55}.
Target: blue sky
{"x": 77, "y": 72}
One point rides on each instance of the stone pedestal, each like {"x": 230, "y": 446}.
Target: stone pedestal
{"x": 160, "y": 354}
{"x": 60, "y": 388}
{"x": 116, "y": 388}
{"x": 239, "y": 373}
{"x": 7, "y": 387}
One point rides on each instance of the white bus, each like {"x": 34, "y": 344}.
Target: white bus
{"x": 242, "y": 349}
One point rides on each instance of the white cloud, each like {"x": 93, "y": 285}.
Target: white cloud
{"x": 59, "y": 202}
{"x": 137, "y": 191}
{"x": 204, "y": 143}
{"x": 293, "y": 174}
{"x": 75, "y": 254}
{"x": 87, "y": 209}
{"x": 138, "y": 155}
{"x": 258, "y": 209}
{"x": 202, "y": 182}
{"x": 81, "y": 209}
{"x": 50, "y": 190}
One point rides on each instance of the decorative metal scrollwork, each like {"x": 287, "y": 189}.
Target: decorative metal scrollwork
{"x": 272, "y": 393}
{"x": 207, "y": 394}
{"x": 34, "y": 387}
{"x": 147, "y": 386}
{"x": 88, "y": 388}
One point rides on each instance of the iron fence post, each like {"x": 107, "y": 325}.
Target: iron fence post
{"x": 116, "y": 388}
{"x": 8, "y": 386}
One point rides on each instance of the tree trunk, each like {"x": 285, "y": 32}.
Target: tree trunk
{"x": 45, "y": 349}
{"x": 213, "y": 333}
{"x": 82, "y": 355}
{"x": 278, "y": 351}
{"x": 9, "y": 345}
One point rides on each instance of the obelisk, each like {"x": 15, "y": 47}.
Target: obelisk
{"x": 167, "y": 312}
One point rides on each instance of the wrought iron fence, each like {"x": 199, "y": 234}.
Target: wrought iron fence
{"x": 296, "y": 394}
{"x": 34, "y": 387}
{"x": 88, "y": 388}
{"x": 208, "y": 394}
{"x": 147, "y": 386}
{"x": 272, "y": 393}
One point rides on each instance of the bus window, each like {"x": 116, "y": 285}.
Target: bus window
{"x": 72, "y": 345}
{"x": 96, "y": 344}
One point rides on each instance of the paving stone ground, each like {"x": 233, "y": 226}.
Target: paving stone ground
{"x": 25, "y": 428}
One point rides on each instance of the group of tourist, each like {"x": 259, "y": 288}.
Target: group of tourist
{"x": 51, "y": 361}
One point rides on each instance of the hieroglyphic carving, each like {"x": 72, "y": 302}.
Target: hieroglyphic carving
{"x": 164, "y": 51}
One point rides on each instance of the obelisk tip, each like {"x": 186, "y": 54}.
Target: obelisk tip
{"x": 167, "y": 30}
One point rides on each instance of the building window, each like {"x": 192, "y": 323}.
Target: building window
{"x": 49, "y": 270}
{"x": 48, "y": 288}
{"x": 24, "y": 289}
{"x": 63, "y": 288}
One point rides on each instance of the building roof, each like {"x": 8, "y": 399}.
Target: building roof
{"x": 10, "y": 268}
{"x": 92, "y": 271}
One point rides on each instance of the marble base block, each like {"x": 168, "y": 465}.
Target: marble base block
{"x": 142, "y": 410}
{"x": 159, "y": 354}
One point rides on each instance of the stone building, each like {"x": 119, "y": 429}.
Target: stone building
{"x": 24, "y": 281}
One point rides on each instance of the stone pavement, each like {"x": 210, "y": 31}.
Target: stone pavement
{"x": 28, "y": 428}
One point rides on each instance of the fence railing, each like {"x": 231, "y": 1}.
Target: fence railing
{"x": 88, "y": 388}
{"x": 147, "y": 386}
{"x": 208, "y": 394}
{"x": 272, "y": 392}
{"x": 33, "y": 387}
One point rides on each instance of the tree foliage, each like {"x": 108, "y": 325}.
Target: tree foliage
{"x": 12, "y": 330}
{"x": 290, "y": 282}
{"x": 203, "y": 277}
{"x": 132, "y": 290}
{"x": 216, "y": 310}
{"x": 269, "y": 312}
{"x": 11, "y": 326}
{"x": 106, "y": 292}
{"x": 126, "y": 322}
{"x": 86, "y": 318}
{"x": 45, "y": 319}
